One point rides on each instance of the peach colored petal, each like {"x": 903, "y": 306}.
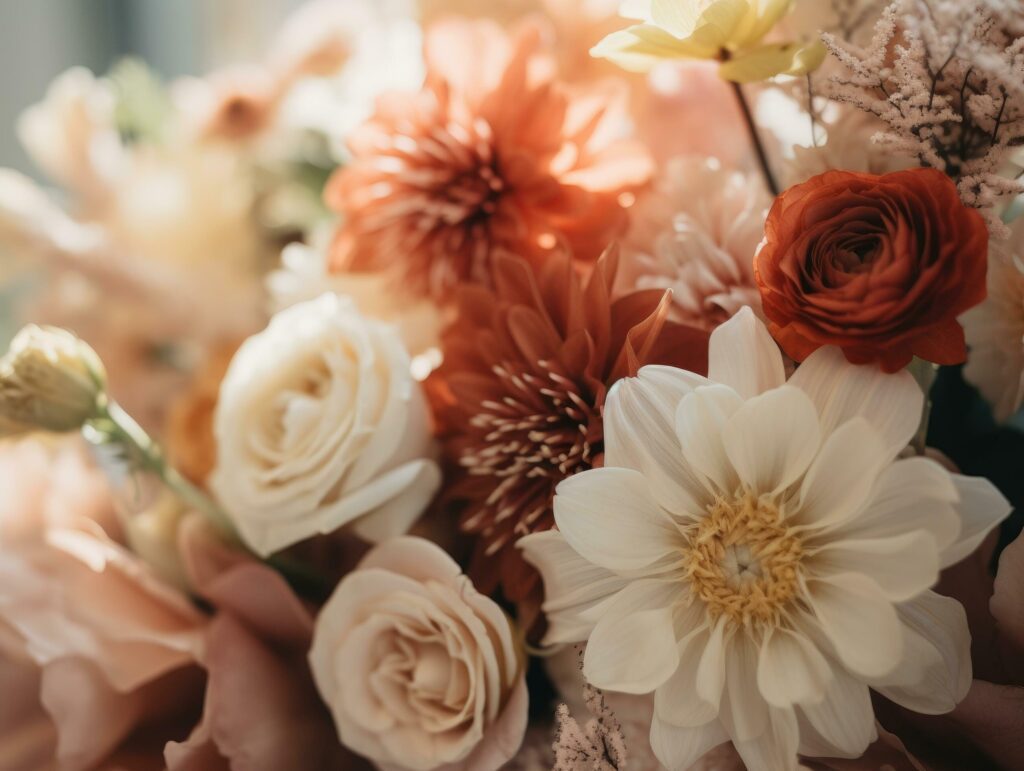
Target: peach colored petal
{"x": 495, "y": 155}
{"x": 235, "y": 583}
{"x": 260, "y": 713}
{"x": 27, "y": 734}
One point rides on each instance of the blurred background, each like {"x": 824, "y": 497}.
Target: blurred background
{"x": 39, "y": 39}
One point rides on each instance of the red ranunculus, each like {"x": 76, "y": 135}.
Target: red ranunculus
{"x": 880, "y": 266}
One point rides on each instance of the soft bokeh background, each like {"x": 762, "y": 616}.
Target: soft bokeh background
{"x": 39, "y": 39}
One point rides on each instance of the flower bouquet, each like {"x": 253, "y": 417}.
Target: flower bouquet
{"x": 537, "y": 384}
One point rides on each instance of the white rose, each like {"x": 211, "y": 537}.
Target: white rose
{"x": 418, "y": 668}
{"x": 320, "y": 424}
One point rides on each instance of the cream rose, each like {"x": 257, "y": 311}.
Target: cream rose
{"x": 418, "y": 668}
{"x": 320, "y": 424}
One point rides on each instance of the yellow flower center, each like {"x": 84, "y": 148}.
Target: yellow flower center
{"x": 743, "y": 561}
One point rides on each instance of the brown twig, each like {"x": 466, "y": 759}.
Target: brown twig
{"x": 755, "y": 139}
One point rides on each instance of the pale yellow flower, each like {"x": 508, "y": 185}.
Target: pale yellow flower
{"x": 728, "y": 31}
{"x": 49, "y": 379}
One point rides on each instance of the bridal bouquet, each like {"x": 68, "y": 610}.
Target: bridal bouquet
{"x": 536, "y": 384}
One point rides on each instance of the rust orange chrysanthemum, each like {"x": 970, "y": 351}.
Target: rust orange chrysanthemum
{"x": 493, "y": 155}
{"x": 526, "y": 368}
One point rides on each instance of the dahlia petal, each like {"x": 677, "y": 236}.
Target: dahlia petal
{"x": 677, "y": 748}
{"x": 936, "y": 671}
{"x": 633, "y": 647}
{"x": 840, "y": 480}
{"x": 744, "y": 712}
{"x": 859, "y": 621}
{"x": 700, "y": 420}
{"x": 981, "y": 507}
{"x": 639, "y": 433}
{"x": 711, "y": 672}
{"x": 910, "y": 494}
{"x": 790, "y": 669}
{"x": 841, "y": 725}
{"x": 609, "y": 517}
{"x": 892, "y": 403}
{"x": 774, "y": 748}
{"x": 572, "y": 586}
{"x": 676, "y": 701}
{"x": 772, "y": 439}
{"x": 903, "y": 565}
{"x": 743, "y": 356}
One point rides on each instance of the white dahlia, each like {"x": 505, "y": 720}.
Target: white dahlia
{"x": 755, "y": 554}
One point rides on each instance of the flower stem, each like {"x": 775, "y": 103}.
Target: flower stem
{"x": 755, "y": 139}
{"x": 115, "y": 426}
{"x": 924, "y": 373}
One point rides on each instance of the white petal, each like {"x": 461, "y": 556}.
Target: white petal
{"x": 744, "y": 712}
{"x": 574, "y": 589}
{"x": 676, "y": 700}
{"x": 936, "y": 671}
{"x": 981, "y": 507}
{"x": 743, "y": 356}
{"x": 791, "y": 669}
{"x": 775, "y": 748}
{"x": 903, "y": 566}
{"x": 711, "y": 672}
{"x": 842, "y": 725}
{"x": 772, "y": 439}
{"x": 401, "y": 511}
{"x": 860, "y": 623}
{"x": 633, "y": 647}
{"x": 911, "y": 494}
{"x": 640, "y": 433}
{"x": 678, "y": 748}
{"x": 609, "y": 517}
{"x": 892, "y": 403}
{"x": 391, "y": 502}
{"x": 842, "y": 476}
{"x": 700, "y": 419}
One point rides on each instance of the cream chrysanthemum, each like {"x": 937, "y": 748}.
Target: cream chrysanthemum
{"x": 754, "y": 553}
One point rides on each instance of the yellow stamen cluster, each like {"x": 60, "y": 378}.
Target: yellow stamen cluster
{"x": 743, "y": 561}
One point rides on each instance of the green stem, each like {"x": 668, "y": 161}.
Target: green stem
{"x": 113, "y": 424}
{"x": 924, "y": 373}
{"x": 755, "y": 139}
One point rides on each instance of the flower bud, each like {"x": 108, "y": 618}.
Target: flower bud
{"x": 49, "y": 379}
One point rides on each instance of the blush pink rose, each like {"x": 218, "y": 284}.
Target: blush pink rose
{"x": 419, "y": 669}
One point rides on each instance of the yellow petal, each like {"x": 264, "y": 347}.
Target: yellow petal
{"x": 636, "y": 9}
{"x": 767, "y": 15}
{"x": 640, "y": 47}
{"x": 677, "y": 17}
{"x": 722, "y": 23}
{"x": 767, "y": 61}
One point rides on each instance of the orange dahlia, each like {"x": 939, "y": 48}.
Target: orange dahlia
{"x": 521, "y": 393}
{"x": 493, "y": 155}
